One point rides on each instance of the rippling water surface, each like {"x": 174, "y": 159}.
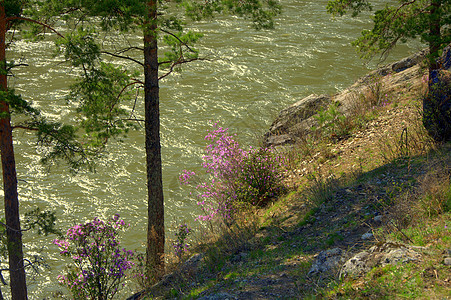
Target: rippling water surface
{"x": 251, "y": 76}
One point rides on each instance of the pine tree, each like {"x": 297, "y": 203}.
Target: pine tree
{"x": 428, "y": 20}
{"x": 159, "y": 22}
{"x": 59, "y": 140}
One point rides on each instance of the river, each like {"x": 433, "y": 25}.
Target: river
{"x": 252, "y": 75}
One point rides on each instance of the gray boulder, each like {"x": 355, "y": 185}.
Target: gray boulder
{"x": 328, "y": 261}
{"x": 381, "y": 255}
{"x": 294, "y": 118}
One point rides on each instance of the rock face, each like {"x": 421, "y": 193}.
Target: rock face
{"x": 380, "y": 255}
{"x": 298, "y": 119}
{"x": 387, "y": 253}
{"x": 328, "y": 261}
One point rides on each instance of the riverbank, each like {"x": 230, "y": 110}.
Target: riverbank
{"x": 369, "y": 213}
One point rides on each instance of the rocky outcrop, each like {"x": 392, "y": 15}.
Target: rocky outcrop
{"x": 298, "y": 119}
{"x": 337, "y": 261}
{"x": 298, "y": 116}
{"x": 328, "y": 261}
{"x": 387, "y": 253}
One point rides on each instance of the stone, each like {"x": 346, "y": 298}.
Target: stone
{"x": 447, "y": 261}
{"x": 400, "y": 255}
{"x": 282, "y": 139}
{"x": 388, "y": 253}
{"x": 408, "y": 62}
{"x": 301, "y": 110}
{"x": 378, "y": 219}
{"x": 357, "y": 265}
{"x": 327, "y": 261}
{"x": 367, "y": 236}
{"x": 291, "y": 119}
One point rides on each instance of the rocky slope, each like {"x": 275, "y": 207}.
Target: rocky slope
{"x": 351, "y": 197}
{"x": 298, "y": 119}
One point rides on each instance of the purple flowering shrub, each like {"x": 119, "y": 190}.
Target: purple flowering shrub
{"x": 235, "y": 176}
{"x": 99, "y": 264}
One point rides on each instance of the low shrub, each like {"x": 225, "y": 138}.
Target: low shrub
{"x": 235, "y": 177}
{"x": 99, "y": 265}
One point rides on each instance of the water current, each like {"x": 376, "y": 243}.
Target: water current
{"x": 251, "y": 76}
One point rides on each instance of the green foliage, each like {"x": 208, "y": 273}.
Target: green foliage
{"x": 175, "y": 42}
{"x": 17, "y": 104}
{"x": 13, "y": 8}
{"x": 333, "y": 123}
{"x": 260, "y": 178}
{"x": 80, "y": 48}
{"x": 340, "y": 7}
{"x": 261, "y": 13}
{"x": 109, "y": 14}
{"x": 102, "y": 88}
{"x": 393, "y": 24}
{"x": 60, "y": 142}
{"x": 42, "y": 221}
{"x": 100, "y": 94}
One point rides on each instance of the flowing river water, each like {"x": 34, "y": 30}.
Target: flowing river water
{"x": 252, "y": 75}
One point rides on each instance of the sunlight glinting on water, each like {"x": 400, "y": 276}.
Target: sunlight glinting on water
{"x": 249, "y": 77}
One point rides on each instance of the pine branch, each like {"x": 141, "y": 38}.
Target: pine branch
{"x": 36, "y": 22}
{"x": 176, "y": 37}
{"x": 130, "y": 48}
{"x": 136, "y": 81}
{"x": 123, "y": 57}
{"x": 179, "y": 62}
{"x": 20, "y": 126}
{"x": 17, "y": 65}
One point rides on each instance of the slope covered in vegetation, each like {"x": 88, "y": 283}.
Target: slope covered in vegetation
{"x": 367, "y": 178}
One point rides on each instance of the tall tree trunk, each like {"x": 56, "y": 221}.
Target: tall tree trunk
{"x": 155, "y": 227}
{"x": 436, "y": 114}
{"x": 13, "y": 232}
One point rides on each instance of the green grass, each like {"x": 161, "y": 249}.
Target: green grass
{"x": 410, "y": 188}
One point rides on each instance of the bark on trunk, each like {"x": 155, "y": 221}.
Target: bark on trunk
{"x": 13, "y": 232}
{"x": 155, "y": 228}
